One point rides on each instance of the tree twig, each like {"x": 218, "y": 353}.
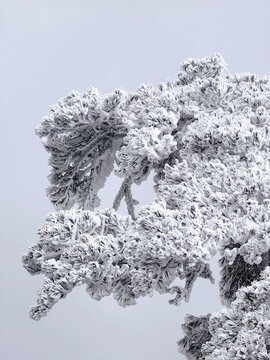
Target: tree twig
{"x": 129, "y": 201}
{"x": 121, "y": 193}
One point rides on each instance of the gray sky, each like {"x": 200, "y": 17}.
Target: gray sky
{"x": 48, "y": 48}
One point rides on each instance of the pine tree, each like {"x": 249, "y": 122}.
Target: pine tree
{"x": 206, "y": 136}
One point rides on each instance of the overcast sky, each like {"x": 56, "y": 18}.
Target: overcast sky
{"x": 48, "y": 48}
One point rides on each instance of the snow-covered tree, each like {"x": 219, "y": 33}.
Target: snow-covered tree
{"x": 206, "y": 136}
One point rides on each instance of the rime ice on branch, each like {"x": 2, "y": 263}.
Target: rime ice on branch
{"x": 242, "y": 332}
{"x": 206, "y": 137}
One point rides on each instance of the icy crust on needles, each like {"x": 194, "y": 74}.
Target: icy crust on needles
{"x": 206, "y": 137}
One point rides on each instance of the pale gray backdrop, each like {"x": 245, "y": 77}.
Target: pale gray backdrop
{"x": 48, "y": 48}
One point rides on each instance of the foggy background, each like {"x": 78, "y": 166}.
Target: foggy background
{"x": 47, "y": 49}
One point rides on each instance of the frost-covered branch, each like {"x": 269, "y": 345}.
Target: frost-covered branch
{"x": 111, "y": 254}
{"x": 243, "y": 332}
{"x": 82, "y": 134}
